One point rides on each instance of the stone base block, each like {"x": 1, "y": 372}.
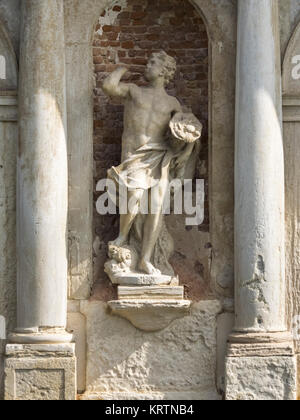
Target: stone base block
{"x": 40, "y": 372}
{"x": 177, "y": 363}
{"x": 261, "y": 378}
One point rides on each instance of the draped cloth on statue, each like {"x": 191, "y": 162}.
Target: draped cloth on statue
{"x": 143, "y": 169}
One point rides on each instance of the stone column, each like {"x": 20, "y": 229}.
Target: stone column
{"x": 42, "y": 170}
{"x": 260, "y": 363}
{"x": 42, "y": 200}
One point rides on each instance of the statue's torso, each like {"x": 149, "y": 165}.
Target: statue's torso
{"x": 146, "y": 118}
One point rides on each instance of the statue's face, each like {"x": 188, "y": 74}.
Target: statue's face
{"x": 154, "y": 69}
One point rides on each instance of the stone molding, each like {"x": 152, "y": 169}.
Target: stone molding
{"x": 291, "y": 109}
{"x": 8, "y": 106}
{"x": 260, "y": 345}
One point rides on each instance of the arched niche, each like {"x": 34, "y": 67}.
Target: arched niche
{"x": 80, "y": 21}
{"x": 127, "y": 35}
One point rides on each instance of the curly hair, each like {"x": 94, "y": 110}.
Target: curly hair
{"x": 169, "y": 65}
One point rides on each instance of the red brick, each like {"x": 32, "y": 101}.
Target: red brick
{"x": 112, "y": 36}
{"x": 153, "y": 37}
{"x": 138, "y": 15}
{"x": 99, "y": 67}
{"x": 139, "y": 29}
{"x": 139, "y": 61}
{"x": 96, "y": 51}
{"x": 125, "y": 60}
{"x": 124, "y": 22}
{"x": 116, "y": 29}
{"x": 176, "y": 21}
{"x": 114, "y": 44}
{"x": 98, "y": 60}
{"x": 127, "y": 45}
{"x": 107, "y": 28}
{"x": 138, "y": 22}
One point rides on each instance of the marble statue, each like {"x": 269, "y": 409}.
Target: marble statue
{"x": 157, "y": 142}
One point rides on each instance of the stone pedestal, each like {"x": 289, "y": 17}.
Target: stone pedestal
{"x": 261, "y": 367}
{"x": 150, "y": 308}
{"x": 40, "y": 372}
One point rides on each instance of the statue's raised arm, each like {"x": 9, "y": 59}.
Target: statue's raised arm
{"x": 113, "y": 86}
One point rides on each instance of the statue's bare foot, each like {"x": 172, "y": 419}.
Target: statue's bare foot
{"x": 120, "y": 241}
{"x": 148, "y": 268}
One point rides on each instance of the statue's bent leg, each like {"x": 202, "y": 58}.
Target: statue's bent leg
{"x": 126, "y": 220}
{"x": 152, "y": 229}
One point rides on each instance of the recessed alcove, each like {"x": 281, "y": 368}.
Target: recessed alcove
{"x": 127, "y": 34}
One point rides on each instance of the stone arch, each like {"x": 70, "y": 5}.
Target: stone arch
{"x": 80, "y": 20}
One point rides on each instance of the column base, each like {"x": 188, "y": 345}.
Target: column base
{"x": 40, "y": 372}
{"x": 261, "y": 366}
{"x": 40, "y": 336}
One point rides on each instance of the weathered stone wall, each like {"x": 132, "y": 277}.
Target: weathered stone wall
{"x": 174, "y": 364}
{"x": 127, "y": 34}
{"x": 8, "y": 154}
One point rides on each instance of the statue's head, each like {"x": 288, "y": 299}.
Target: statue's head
{"x": 160, "y": 65}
